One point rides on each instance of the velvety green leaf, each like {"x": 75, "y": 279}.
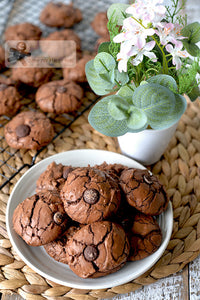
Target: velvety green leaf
{"x": 156, "y": 101}
{"x": 137, "y": 120}
{"x": 118, "y": 107}
{"x": 126, "y": 92}
{"x": 192, "y": 32}
{"x": 101, "y": 86}
{"x": 122, "y": 78}
{"x": 117, "y": 12}
{"x": 194, "y": 94}
{"x": 191, "y": 48}
{"x": 164, "y": 80}
{"x": 102, "y": 121}
{"x": 104, "y": 47}
{"x": 104, "y": 63}
{"x": 169, "y": 120}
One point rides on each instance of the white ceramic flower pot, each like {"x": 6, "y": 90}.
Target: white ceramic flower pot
{"x": 146, "y": 146}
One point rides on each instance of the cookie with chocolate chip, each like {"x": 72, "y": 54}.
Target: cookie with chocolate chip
{"x": 143, "y": 191}
{"x": 40, "y": 219}
{"x": 90, "y": 195}
{"x": 53, "y": 177}
{"x": 29, "y": 130}
{"x": 68, "y": 40}
{"x": 9, "y": 100}
{"x": 113, "y": 170}
{"x": 24, "y": 32}
{"x": 145, "y": 236}
{"x": 77, "y": 73}
{"x": 59, "y": 96}
{"x": 60, "y": 15}
{"x": 57, "y": 248}
{"x": 97, "y": 249}
{"x": 99, "y": 24}
{"x": 31, "y": 72}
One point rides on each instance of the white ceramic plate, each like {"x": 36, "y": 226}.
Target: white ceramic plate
{"x": 36, "y": 257}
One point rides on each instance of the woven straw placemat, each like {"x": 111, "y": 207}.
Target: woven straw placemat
{"x": 178, "y": 170}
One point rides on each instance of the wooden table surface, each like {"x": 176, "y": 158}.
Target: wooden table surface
{"x": 184, "y": 285}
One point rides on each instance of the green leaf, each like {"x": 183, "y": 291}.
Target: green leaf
{"x": 164, "y": 80}
{"x": 102, "y": 121}
{"x": 126, "y": 92}
{"x": 194, "y": 94}
{"x": 104, "y": 47}
{"x": 137, "y": 120}
{"x": 118, "y": 107}
{"x": 191, "y": 48}
{"x": 156, "y": 101}
{"x": 117, "y": 12}
{"x": 104, "y": 63}
{"x": 179, "y": 109}
{"x": 101, "y": 86}
{"x": 122, "y": 78}
{"x": 192, "y": 32}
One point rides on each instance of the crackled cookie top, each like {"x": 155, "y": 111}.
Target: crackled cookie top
{"x": 29, "y": 130}
{"x": 9, "y": 99}
{"x": 78, "y": 72}
{"x": 53, "y": 177}
{"x": 57, "y": 249}
{"x": 97, "y": 249}
{"x": 60, "y": 15}
{"x": 32, "y": 73}
{"x": 145, "y": 236}
{"x": 99, "y": 24}
{"x": 144, "y": 191}
{"x": 59, "y": 96}
{"x": 40, "y": 219}
{"x": 90, "y": 195}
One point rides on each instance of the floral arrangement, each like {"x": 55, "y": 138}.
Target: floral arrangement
{"x": 151, "y": 60}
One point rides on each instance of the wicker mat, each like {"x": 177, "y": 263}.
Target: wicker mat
{"x": 178, "y": 170}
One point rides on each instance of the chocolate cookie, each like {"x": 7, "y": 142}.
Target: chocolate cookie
{"x": 145, "y": 237}
{"x": 59, "y": 96}
{"x": 64, "y": 49}
{"x": 99, "y": 24}
{"x": 113, "y": 170}
{"x": 60, "y": 15}
{"x": 32, "y": 73}
{"x": 78, "y": 72}
{"x": 2, "y": 58}
{"x": 29, "y": 130}
{"x": 98, "y": 249}
{"x": 144, "y": 191}
{"x": 40, "y": 219}
{"x": 24, "y": 32}
{"x": 57, "y": 249}
{"x": 9, "y": 100}
{"x": 53, "y": 177}
{"x": 90, "y": 195}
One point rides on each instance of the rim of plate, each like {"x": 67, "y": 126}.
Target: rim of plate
{"x": 83, "y": 282}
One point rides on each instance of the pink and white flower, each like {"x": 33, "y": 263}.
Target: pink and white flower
{"x": 141, "y": 51}
{"x": 177, "y": 53}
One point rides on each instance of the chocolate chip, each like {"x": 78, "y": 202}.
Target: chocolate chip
{"x": 3, "y": 86}
{"x": 91, "y": 196}
{"x": 58, "y": 218}
{"x": 66, "y": 171}
{"x": 22, "y": 130}
{"x": 147, "y": 179}
{"x": 90, "y": 253}
{"x": 61, "y": 89}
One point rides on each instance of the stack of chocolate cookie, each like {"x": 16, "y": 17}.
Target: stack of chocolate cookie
{"x": 51, "y": 95}
{"x": 94, "y": 219}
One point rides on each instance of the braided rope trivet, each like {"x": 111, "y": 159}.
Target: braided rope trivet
{"x": 179, "y": 170}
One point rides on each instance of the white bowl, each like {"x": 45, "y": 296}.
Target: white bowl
{"x": 37, "y": 258}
